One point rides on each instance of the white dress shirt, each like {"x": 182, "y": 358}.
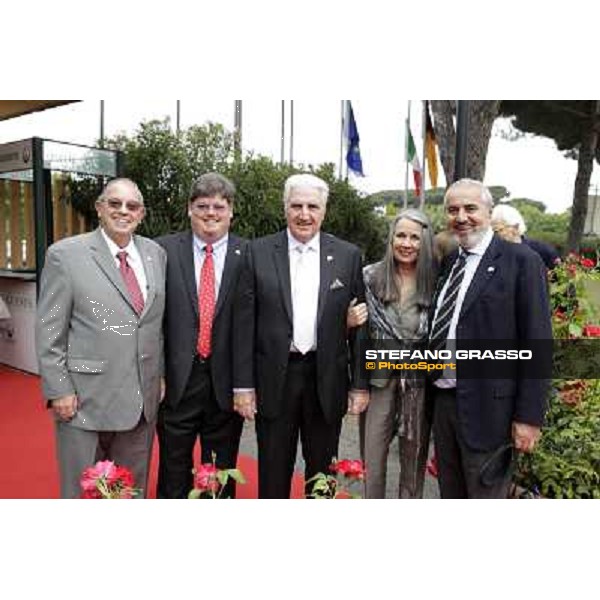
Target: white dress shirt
{"x": 472, "y": 261}
{"x": 219, "y": 256}
{"x": 305, "y": 277}
{"x": 134, "y": 260}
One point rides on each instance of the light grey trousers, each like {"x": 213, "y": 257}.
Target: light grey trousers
{"x": 392, "y": 410}
{"x": 78, "y": 448}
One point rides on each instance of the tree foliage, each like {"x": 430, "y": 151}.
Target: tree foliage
{"x": 573, "y": 125}
{"x": 164, "y": 164}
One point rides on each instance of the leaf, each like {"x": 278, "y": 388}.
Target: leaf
{"x": 237, "y": 475}
{"x": 194, "y": 495}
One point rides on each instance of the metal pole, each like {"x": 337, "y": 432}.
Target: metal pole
{"x": 178, "y": 117}
{"x": 291, "y": 133}
{"x": 282, "y": 160}
{"x": 424, "y": 167}
{"x": 101, "y": 123}
{"x": 406, "y": 133}
{"x": 342, "y": 137}
{"x": 238, "y": 127}
{"x": 462, "y": 134}
{"x": 43, "y": 218}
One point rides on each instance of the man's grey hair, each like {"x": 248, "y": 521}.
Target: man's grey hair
{"x": 104, "y": 194}
{"x": 210, "y": 185}
{"x": 485, "y": 196}
{"x": 511, "y": 216}
{"x": 305, "y": 180}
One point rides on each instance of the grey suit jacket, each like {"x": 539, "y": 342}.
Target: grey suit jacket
{"x": 90, "y": 341}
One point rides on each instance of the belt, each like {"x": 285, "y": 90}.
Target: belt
{"x": 299, "y": 357}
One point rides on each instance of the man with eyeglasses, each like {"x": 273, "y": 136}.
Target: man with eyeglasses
{"x": 202, "y": 272}
{"x": 99, "y": 340}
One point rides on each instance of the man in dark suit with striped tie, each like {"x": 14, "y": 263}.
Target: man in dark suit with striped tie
{"x": 489, "y": 289}
{"x": 202, "y": 272}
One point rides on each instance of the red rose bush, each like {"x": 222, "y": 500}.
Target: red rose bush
{"x": 209, "y": 481}
{"x": 343, "y": 474}
{"x": 107, "y": 481}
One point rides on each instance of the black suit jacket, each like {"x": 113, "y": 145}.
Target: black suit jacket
{"x": 547, "y": 253}
{"x": 506, "y": 300}
{"x": 264, "y": 324}
{"x": 181, "y": 317}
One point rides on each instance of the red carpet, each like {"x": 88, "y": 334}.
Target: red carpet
{"x": 27, "y": 453}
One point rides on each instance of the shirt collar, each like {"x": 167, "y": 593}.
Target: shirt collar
{"x": 114, "y": 249}
{"x": 220, "y": 243}
{"x": 313, "y": 243}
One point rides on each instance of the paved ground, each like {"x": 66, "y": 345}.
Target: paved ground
{"x": 349, "y": 448}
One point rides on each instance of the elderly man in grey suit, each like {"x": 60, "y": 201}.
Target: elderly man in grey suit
{"x": 99, "y": 340}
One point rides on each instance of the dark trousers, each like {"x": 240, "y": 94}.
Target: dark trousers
{"x": 196, "y": 416}
{"x": 459, "y": 466}
{"x": 301, "y": 416}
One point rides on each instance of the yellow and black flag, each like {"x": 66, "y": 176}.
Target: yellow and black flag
{"x": 430, "y": 147}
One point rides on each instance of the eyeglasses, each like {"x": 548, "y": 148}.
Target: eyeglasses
{"x": 202, "y": 209}
{"x": 130, "y": 205}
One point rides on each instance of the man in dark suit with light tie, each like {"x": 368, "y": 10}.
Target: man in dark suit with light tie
{"x": 99, "y": 340}
{"x": 292, "y": 344}
{"x": 489, "y": 289}
{"x": 202, "y": 272}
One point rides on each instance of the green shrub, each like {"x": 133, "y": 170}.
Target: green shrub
{"x": 566, "y": 462}
{"x": 164, "y": 165}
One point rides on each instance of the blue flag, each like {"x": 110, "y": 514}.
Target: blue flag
{"x": 353, "y": 159}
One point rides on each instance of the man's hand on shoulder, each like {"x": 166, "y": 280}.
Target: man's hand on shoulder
{"x": 244, "y": 403}
{"x": 525, "y": 436}
{"x": 65, "y": 407}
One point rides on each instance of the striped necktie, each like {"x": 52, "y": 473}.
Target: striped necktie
{"x": 441, "y": 323}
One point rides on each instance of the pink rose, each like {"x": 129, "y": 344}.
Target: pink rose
{"x": 206, "y": 478}
{"x": 124, "y": 477}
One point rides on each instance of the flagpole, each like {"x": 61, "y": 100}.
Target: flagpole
{"x": 238, "y": 128}
{"x": 291, "y": 133}
{"x": 101, "y": 124}
{"x": 406, "y": 134}
{"x": 282, "y": 131}
{"x": 424, "y": 167}
{"x": 342, "y": 135}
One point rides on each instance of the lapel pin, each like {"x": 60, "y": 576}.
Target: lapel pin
{"x": 329, "y": 258}
{"x": 491, "y": 269}
{"x": 237, "y": 251}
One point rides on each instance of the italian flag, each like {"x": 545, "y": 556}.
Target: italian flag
{"x": 413, "y": 159}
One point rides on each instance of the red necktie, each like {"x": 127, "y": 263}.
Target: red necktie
{"x": 206, "y": 302}
{"x": 135, "y": 293}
